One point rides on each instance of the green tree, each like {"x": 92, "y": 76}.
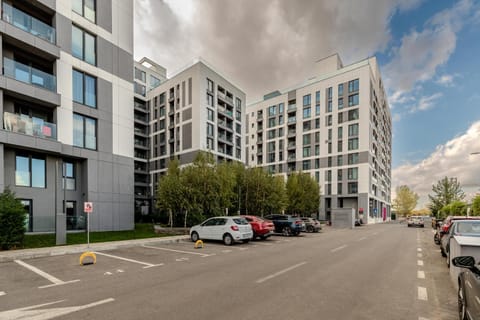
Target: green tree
{"x": 475, "y": 206}
{"x": 170, "y": 192}
{"x": 12, "y": 220}
{"x": 405, "y": 201}
{"x": 445, "y": 192}
{"x": 455, "y": 208}
{"x": 303, "y": 194}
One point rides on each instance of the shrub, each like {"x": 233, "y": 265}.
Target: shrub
{"x": 12, "y": 220}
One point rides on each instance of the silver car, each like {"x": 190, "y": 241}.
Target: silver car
{"x": 226, "y": 229}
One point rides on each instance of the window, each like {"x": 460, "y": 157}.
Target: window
{"x": 329, "y": 135}
{"x": 353, "y": 158}
{"x": 280, "y": 108}
{"x": 210, "y": 144}
{"x": 340, "y": 89}
{"x": 328, "y": 175}
{"x": 271, "y": 146}
{"x": 271, "y": 158}
{"x": 271, "y": 122}
{"x": 352, "y": 187}
{"x": 272, "y": 111}
{"x": 83, "y": 45}
{"x": 317, "y": 137}
{"x": 68, "y": 175}
{"x": 307, "y": 112}
{"x": 352, "y": 173}
{"x": 209, "y": 100}
{"x": 340, "y": 117}
{"x": 317, "y": 110}
{"x": 353, "y": 100}
{"x": 306, "y": 139}
{"x": 307, "y": 100}
{"x": 84, "y": 132}
{"x": 329, "y": 93}
{"x": 339, "y": 189}
{"x": 211, "y": 115}
{"x": 340, "y": 133}
{"x": 210, "y": 129}
{"x": 280, "y": 132}
{"x": 352, "y": 114}
{"x": 306, "y": 165}
{"x": 27, "y": 205}
{"x": 353, "y": 130}
{"x": 280, "y": 119}
{"x": 317, "y": 123}
{"x": 328, "y": 120}
{"x": 353, "y": 144}
{"x": 30, "y": 171}
{"x": 329, "y": 106}
{"x": 238, "y": 128}
{"x": 340, "y": 160}
{"x": 209, "y": 85}
{"x": 340, "y": 103}
{"x": 306, "y": 151}
{"x": 328, "y": 188}
{"x": 340, "y": 145}
{"x": 317, "y": 150}
{"x": 307, "y": 126}
{"x": 329, "y": 147}
{"x": 271, "y": 134}
{"x": 84, "y": 89}
{"x": 317, "y": 97}
{"x": 238, "y": 115}
{"x": 140, "y": 89}
{"x": 154, "y": 81}
{"x": 85, "y": 8}
{"x": 140, "y": 75}
{"x": 353, "y": 86}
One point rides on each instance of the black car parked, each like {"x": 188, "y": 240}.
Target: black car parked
{"x": 468, "y": 288}
{"x": 287, "y": 224}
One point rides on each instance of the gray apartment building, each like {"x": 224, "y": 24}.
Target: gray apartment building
{"x": 337, "y": 127}
{"x": 148, "y": 75}
{"x": 197, "y": 109}
{"x": 66, "y": 95}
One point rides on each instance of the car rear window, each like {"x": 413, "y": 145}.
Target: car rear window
{"x": 240, "y": 221}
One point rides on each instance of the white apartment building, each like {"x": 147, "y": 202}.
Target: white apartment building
{"x": 336, "y": 126}
{"x": 195, "y": 110}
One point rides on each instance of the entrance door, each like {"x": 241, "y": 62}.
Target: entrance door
{"x": 27, "y": 204}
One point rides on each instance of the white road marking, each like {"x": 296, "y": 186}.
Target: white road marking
{"x": 419, "y": 249}
{"x": 45, "y": 314}
{"x": 420, "y": 263}
{"x": 263, "y": 244}
{"x": 419, "y": 255}
{"x": 422, "y": 293}
{"x": 120, "y": 271}
{"x": 242, "y": 249}
{"x": 421, "y": 274}
{"x": 226, "y": 251}
{"x": 2, "y": 293}
{"x": 276, "y": 274}
{"x": 469, "y": 284}
{"x": 107, "y": 273}
{"x": 181, "y": 259}
{"x": 146, "y": 264}
{"x": 361, "y": 239}
{"x": 422, "y": 318}
{"x": 339, "y": 248}
{"x": 477, "y": 299}
{"x": 43, "y": 274}
{"x": 178, "y": 251}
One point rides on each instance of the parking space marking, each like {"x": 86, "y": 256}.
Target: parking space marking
{"x": 43, "y": 274}
{"x": 339, "y": 248}
{"x": 2, "y": 293}
{"x": 361, "y": 239}
{"x": 226, "y": 251}
{"x": 419, "y": 249}
{"x": 420, "y": 263}
{"x": 146, "y": 264}
{"x": 276, "y": 274}
{"x": 177, "y": 251}
{"x": 420, "y": 274}
{"x": 422, "y": 293}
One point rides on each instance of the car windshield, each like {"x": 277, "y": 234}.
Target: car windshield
{"x": 240, "y": 221}
{"x": 468, "y": 228}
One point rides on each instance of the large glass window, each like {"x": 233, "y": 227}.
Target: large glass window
{"x": 353, "y": 100}
{"x": 306, "y": 139}
{"x": 352, "y": 173}
{"x": 210, "y": 130}
{"x": 353, "y": 158}
{"x": 84, "y": 132}
{"x": 307, "y": 99}
{"x": 69, "y": 175}
{"x": 352, "y": 187}
{"x": 353, "y": 144}
{"x": 140, "y": 75}
{"x": 353, "y": 85}
{"x": 211, "y": 115}
{"x": 83, "y": 45}
{"x": 272, "y": 111}
{"x": 307, "y": 112}
{"x": 85, "y": 8}
{"x": 353, "y": 130}
{"x": 30, "y": 171}
{"x": 306, "y": 151}
{"x": 340, "y": 89}
{"x": 84, "y": 89}
{"x": 352, "y": 114}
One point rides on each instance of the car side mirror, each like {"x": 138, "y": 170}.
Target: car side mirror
{"x": 464, "y": 262}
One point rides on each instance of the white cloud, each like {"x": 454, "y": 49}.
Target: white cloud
{"x": 446, "y": 80}
{"x": 420, "y": 53}
{"x": 451, "y": 159}
{"x": 426, "y": 103}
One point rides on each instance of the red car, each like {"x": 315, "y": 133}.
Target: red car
{"x": 261, "y": 228}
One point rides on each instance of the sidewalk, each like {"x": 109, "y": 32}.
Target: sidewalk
{"x": 23, "y": 254}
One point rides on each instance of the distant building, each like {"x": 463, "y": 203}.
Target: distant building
{"x": 195, "y": 110}
{"x": 65, "y": 100}
{"x": 336, "y": 126}
{"x": 148, "y": 75}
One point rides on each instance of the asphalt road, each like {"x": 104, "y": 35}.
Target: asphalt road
{"x": 372, "y": 272}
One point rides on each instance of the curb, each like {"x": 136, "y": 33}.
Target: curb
{"x": 25, "y": 254}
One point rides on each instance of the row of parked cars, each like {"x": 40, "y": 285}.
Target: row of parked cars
{"x": 231, "y": 229}
{"x": 466, "y": 228}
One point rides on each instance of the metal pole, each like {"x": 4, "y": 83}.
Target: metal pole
{"x": 88, "y": 230}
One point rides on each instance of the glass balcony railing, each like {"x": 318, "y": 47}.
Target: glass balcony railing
{"x": 28, "y": 23}
{"x": 27, "y": 74}
{"x": 30, "y": 126}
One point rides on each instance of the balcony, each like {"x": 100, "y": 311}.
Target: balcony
{"x": 292, "y": 119}
{"x": 140, "y": 131}
{"x": 291, "y": 133}
{"x": 291, "y": 146}
{"x": 225, "y": 124}
{"x": 226, "y": 112}
{"x": 292, "y": 107}
{"x": 27, "y": 74}
{"x": 28, "y": 23}
{"x": 225, "y": 98}
{"x": 30, "y": 126}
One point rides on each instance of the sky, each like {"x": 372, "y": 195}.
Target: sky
{"x": 428, "y": 51}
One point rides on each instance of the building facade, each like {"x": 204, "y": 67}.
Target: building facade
{"x": 336, "y": 126}
{"x": 147, "y": 76}
{"x": 66, "y": 97}
{"x": 195, "y": 110}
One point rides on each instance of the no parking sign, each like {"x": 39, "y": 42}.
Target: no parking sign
{"x": 87, "y": 207}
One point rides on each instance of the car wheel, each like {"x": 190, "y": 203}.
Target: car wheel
{"x": 296, "y": 233}
{"x": 246, "y": 241}
{"x": 462, "y": 305}
{"x": 227, "y": 239}
{"x": 310, "y": 229}
{"x": 286, "y": 231}
{"x": 435, "y": 239}
{"x": 194, "y": 237}
{"x": 442, "y": 252}
{"x": 264, "y": 237}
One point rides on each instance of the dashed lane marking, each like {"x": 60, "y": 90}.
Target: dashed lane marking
{"x": 276, "y": 274}
{"x": 422, "y": 293}
{"x": 420, "y": 274}
{"x": 43, "y": 274}
{"x": 419, "y": 249}
{"x": 420, "y": 263}
{"x": 339, "y": 248}
{"x": 146, "y": 264}
{"x": 2, "y": 293}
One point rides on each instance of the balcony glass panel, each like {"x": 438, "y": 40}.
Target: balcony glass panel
{"x": 27, "y": 74}
{"x": 30, "y": 126}
{"x": 28, "y": 23}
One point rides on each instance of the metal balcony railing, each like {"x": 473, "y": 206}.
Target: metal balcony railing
{"x": 27, "y": 74}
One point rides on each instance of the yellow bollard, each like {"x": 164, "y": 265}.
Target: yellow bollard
{"x": 198, "y": 244}
{"x": 88, "y": 254}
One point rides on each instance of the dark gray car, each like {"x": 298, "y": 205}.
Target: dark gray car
{"x": 468, "y": 288}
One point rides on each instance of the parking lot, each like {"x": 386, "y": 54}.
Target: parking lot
{"x": 128, "y": 282}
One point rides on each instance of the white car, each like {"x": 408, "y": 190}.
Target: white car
{"x": 227, "y": 229}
